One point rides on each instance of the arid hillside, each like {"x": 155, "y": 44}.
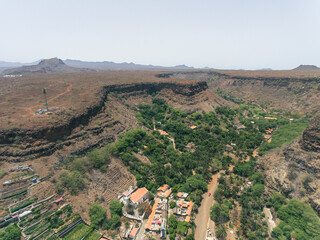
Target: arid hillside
{"x": 294, "y": 170}
{"x": 294, "y": 91}
{"x": 72, "y": 93}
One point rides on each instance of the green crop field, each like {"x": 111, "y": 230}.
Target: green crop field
{"x": 78, "y": 232}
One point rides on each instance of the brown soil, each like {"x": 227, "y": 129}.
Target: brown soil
{"x": 203, "y": 215}
{"x": 292, "y": 91}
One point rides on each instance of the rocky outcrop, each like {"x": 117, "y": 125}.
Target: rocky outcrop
{"x": 311, "y": 137}
{"x": 186, "y": 89}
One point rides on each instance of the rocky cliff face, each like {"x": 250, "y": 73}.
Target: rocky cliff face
{"x": 311, "y": 137}
{"x": 294, "y": 170}
{"x": 97, "y": 124}
{"x": 290, "y": 90}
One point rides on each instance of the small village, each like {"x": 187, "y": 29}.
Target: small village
{"x": 152, "y": 220}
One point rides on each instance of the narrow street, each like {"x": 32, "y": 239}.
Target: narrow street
{"x": 141, "y": 234}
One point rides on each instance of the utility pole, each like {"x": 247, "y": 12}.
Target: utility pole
{"x": 45, "y": 98}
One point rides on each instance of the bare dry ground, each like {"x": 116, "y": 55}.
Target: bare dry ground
{"x": 21, "y": 97}
{"x": 291, "y": 90}
{"x": 272, "y": 74}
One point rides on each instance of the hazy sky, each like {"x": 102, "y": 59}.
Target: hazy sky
{"x": 248, "y": 34}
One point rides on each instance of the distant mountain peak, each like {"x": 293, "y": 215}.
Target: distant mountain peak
{"x": 51, "y": 62}
{"x": 307, "y": 67}
{"x": 52, "y": 65}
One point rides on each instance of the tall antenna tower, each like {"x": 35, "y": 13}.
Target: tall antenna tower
{"x": 45, "y": 98}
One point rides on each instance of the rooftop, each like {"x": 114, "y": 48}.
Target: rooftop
{"x": 163, "y": 187}
{"x": 154, "y": 208}
{"x": 163, "y": 132}
{"x": 182, "y": 194}
{"x": 271, "y": 118}
{"x": 167, "y": 194}
{"x": 58, "y": 200}
{"x": 133, "y": 232}
{"x": 138, "y": 194}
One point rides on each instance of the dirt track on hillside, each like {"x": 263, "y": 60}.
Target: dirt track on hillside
{"x": 203, "y": 216}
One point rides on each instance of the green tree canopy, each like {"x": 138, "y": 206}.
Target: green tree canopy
{"x": 97, "y": 214}
{"x": 116, "y": 207}
{"x": 12, "y": 232}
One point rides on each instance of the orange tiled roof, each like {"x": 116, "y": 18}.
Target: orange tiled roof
{"x": 163, "y": 132}
{"x": 133, "y": 232}
{"x": 193, "y": 127}
{"x": 190, "y": 205}
{"x": 187, "y": 219}
{"x": 179, "y": 194}
{"x": 154, "y": 208}
{"x": 168, "y": 193}
{"x": 138, "y": 194}
{"x": 271, "y": 118}
{"x": 163, "y": 187}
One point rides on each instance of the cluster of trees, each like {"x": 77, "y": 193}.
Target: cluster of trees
{"x": 226, "y": 111}
{"x": 276, "y": 200}
{"x": 245, "y": 169}
{"x": 176, "y": 227}
{"x": 12, "y": 232}
{"x": 98, "y": 215}
{"x": 298, "y": 220}
{"x": 74, "y": 181}
{"x": 220, "y": 212}
{"x": 74, "y": 176}
{"x": 251, "y": 201}
{"x": 156, "y": 112}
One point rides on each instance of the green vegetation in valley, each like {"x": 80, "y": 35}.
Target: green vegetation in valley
{"x": 286, "y": 133}
{"x": 298, "y": 220}
{"x": 234, "y": 191}
{"x": 184, "y": 170}
{"x": 12, "y": 232}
